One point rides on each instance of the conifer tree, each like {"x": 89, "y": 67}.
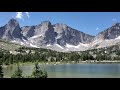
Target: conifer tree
{"x": 37, "y": 73}
{"x": 1, "y": 72}
{"x": 17, "y": 73}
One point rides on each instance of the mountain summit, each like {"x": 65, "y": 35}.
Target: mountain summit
{"x": 11, "y": 31}
{"x": 47, "y": 34}
{"x": 58, "y": 37}
{"x": 110, "y": 33}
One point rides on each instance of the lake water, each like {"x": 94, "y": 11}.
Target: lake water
{"x": 72, "y": 70}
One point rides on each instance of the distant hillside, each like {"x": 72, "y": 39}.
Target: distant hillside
{"x": 6, "y": 45}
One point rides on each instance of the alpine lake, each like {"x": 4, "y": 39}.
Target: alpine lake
{"x": 77, "y": 70}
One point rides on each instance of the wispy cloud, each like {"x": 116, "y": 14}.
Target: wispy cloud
{"x": 19, "y": 15}
{"x": 97, "y": 28}
{"x": 27, "y": 13}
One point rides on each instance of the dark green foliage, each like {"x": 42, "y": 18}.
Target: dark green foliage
{"x": 38, "y": 73}
{"x": 75, "y": 57}
{"x": 1, "y": 72}
{"x": 17, "y": 73}
{"x": 118, "y": 53}
{"x": 26, "y": 54}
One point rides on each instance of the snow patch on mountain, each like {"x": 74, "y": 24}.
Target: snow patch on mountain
{"x": 24, "y": 40}
{"x": 33, "y": 45}
{"x": 118, "y": 37}
{"x": 58, "y": 37}
{"x": 14, "y": 41}
{"x": 48, "y": 45}
{"x": 21, "y": 43}
{"x": 71, "y": 46}
{"x": 78, "y": 46}
{"x": 59, "y": 46}
{"x": 86, "y": 45}
{"x": 36, "y": 36}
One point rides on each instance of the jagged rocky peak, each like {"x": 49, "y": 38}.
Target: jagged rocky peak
{"x": 27, "y": 27}
{"x": 11, "y": 30}
{"x": 61, "y": 26}
{"x": 40, "y": 30}
{"x": 110, "y": 33}
{"x": 28, "y": 31}
{"x": 46, "y": 23}
{"x": 43, "y": 27}
{"x": 116, "y": 24}
{"x": 13, "y": 22}
{"x": 68, "y": 35}
{"x": 58, "y": 36}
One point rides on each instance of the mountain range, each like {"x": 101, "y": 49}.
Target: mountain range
{"x": 59, "y": 36}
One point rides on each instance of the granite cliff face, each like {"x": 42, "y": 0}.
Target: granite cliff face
{"x": 11, "y": 31}
{"x": 67, "y": 35}
{"x": 58, "y": 37}
{"x": 110, "y": 33}
{"x": 108, "y": 37}
{"x": 46, "y": 34}
{"x": 41, "y": 34}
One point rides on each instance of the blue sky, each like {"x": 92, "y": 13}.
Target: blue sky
{"x": 87, "y": 22}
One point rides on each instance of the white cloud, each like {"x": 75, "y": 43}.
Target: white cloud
{"x": 19, "y": 15}
{"x": 27, "y": 13}
{"x": 97, "y": 28}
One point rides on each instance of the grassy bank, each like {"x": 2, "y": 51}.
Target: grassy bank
{"x": 68, "y": 62}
